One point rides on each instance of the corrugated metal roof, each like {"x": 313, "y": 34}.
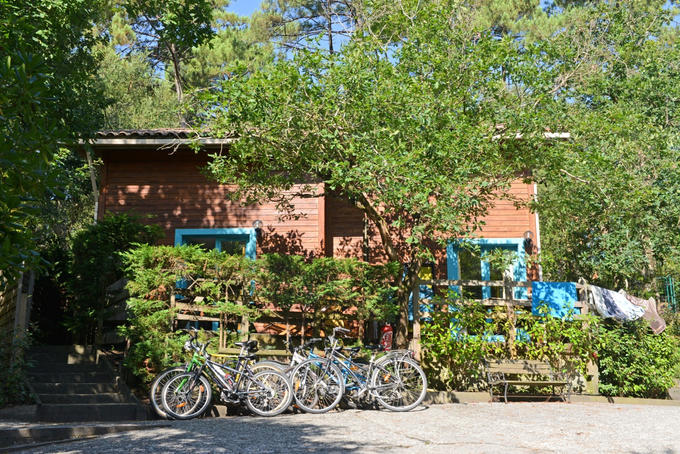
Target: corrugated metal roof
{"x": 161, "y": 138}
{"x": 182, "y": 133}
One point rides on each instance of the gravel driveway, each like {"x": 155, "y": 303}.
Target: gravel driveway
{"x": 451, "y": 428}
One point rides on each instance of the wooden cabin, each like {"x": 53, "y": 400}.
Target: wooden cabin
{"x": 155, "y": 172}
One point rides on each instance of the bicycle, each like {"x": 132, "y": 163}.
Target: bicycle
{"x": 395, "y": 380}
{"x": 188, "y": 394}
{"x": 196, "y": 360}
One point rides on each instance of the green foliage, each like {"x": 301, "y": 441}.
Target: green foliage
{"x": 609, "y": 206}
{"x": 48, "y": 97}
{"x": 218, "y": 283}
{"x": 14, "y": 389}
{"x": 632, "y": 361}
{"x": 287, "y": 280}
{"x": 414, "y": 132}
{"x": 138, "y": 98}
{"x": 635, "y": 363}
{"x": 96, "y": 265}
{"x": 24, "y": 171}
{"x": 211, "y": 280}
{"x": 457, "y": 340}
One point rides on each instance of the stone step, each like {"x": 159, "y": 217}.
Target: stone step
{"x": 98, "y": 398}
{"x": 74, "y": 388}
{"x": 93, "y": 412}
{"x": 60, "y": 368}
{"x": 67, "y": 354}
{"x": 64, "y": 358}
{"x": 65, "y": 377}
{"x": 18, "y": 439}
{"x": 58, "y": 349}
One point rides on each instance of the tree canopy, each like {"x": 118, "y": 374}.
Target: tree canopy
{"x": 610, "y": 208}
{"x": 48, "y": 98}
{"x": 418, "y": 133}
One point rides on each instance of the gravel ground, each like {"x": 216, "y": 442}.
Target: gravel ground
{"x": 452, "y": 428}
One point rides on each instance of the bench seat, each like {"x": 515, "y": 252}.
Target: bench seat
{"x": 525, "y": 372}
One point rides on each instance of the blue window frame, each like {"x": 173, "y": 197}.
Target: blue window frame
{"x": 220, "y": 239}
{"x": 231, "y": 240}
{"x": 519, "y": 269}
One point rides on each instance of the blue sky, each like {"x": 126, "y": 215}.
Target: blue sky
{"x": 244, "y": 7}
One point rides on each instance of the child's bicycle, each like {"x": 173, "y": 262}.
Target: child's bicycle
{"x": 187, "y": 395}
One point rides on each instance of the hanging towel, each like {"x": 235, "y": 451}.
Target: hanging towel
{"x": 559, "y": 297}
{"x": 656, "y": 323}
{"x": 611, "y": 304}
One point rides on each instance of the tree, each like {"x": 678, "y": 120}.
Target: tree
{"x": 48, "y": 98}
{"x": 189, "y": 42}
{"x": 138, "y": 98}
{"x": 610, "y": 206}
{"x": 296, "y": 24}
{"x": 166, "y": 31}
{"x": 418, "y": 133}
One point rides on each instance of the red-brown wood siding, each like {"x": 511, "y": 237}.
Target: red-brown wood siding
{"x": 172, "y": 188}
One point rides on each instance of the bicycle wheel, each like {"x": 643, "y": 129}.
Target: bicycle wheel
{"x": 186, "y": 396}
{"x": 318, "y": 385}
{"x": 399, "y": 385}
{"x": 268, "y": 393}
{"x": 268, "y": 364}
{"x": 155, "y": 391}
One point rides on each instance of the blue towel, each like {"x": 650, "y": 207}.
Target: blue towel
{"x": 559, "y": 297}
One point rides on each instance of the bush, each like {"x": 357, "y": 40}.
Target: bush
{"x": 155, "y": 272}
{"x": 14, "y": 388}
{"x": 456, "y": 341}
{"x": 96, "y": 265}
{"x": 221, "y": 281}
{"x": 634, "y": 362}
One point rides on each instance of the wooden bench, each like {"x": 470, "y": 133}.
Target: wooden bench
{"x": 526, "y": 372}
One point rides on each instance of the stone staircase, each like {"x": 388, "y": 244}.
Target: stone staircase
{"x": 75, "y": 384}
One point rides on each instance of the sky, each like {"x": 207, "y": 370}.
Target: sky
{"x": 244, "y": 7}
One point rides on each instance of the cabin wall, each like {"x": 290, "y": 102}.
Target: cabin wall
{"x": 170, "y": 186}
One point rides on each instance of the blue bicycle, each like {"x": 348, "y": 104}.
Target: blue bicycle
{"x": 394, "y": 380}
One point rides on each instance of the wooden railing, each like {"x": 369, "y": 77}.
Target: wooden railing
{"x": 507, "y": 300}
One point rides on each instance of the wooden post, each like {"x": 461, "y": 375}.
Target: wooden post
{"x": 244, "y": 326}
{"x": 512, "y": 316}
{"x": 416, "y": 318}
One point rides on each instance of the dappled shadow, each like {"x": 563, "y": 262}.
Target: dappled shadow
{"x": 288, "y": 242}
{"x": 283, "y": 434}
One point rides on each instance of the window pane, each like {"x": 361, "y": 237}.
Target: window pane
{"x": 233, "y": 247}
{"x": 470, "y": 267}
{"x": 496, "y": 274}
{"x": 205, "y": 242}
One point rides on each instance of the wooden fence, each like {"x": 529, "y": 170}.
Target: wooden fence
{"x": 507, "y": 300}
{"x": 15, "y": 308}
{"x": 272, "y": 328}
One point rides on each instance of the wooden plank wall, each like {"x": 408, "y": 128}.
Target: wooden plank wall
{"x": 8, "y": 307}
{"x": 172, "y": 188}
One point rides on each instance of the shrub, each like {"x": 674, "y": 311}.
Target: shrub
{"x": 457, "y": 340}
{"x": 155, "y": 272}
{"x": 14, "y": 388}
{"x": 96, "y": 265}
{"x": 634, "y": 362}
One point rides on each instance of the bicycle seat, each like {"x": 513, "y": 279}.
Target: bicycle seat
{"x": 378, "y": 347}
{"x": 354, "y": 350}
{"x": 249, "y": 345}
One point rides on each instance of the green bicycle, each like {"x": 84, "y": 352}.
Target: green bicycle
{"x": 187, "y": 395}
